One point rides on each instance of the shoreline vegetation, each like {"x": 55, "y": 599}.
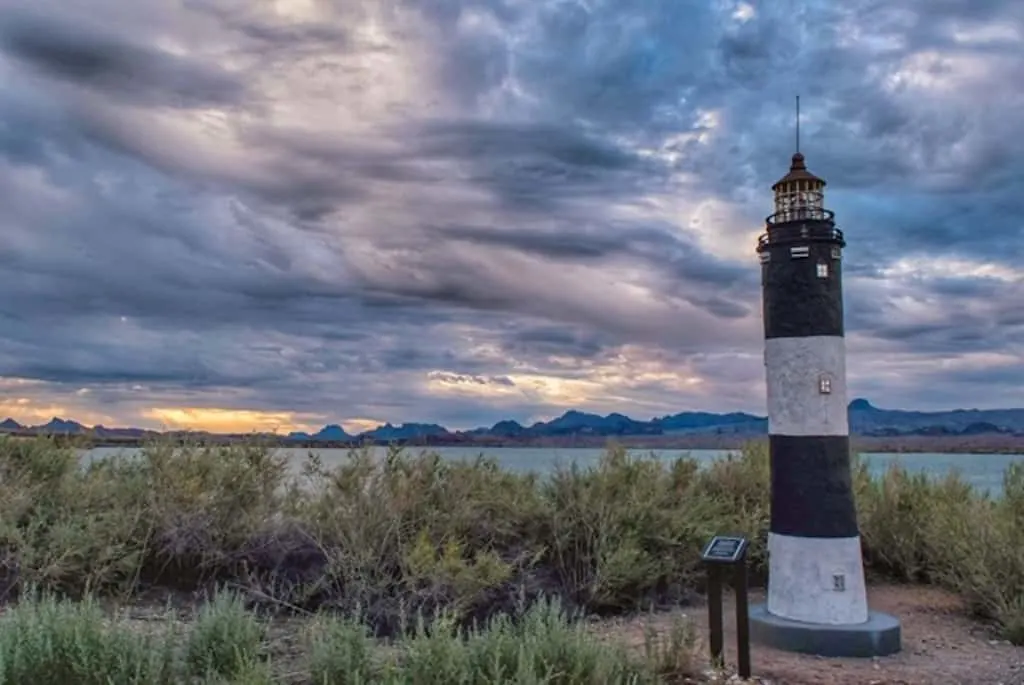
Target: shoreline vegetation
{"x": 174, "y": 565}
{"x": 984, "y": 443}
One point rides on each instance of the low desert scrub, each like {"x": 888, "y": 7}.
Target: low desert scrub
{"x": 415, "y": 535}
{"x": 225, "y": 640}
{"x": 46, "y": 641}
{"x": 543, "y": 645}
{"x": 942, "y": 531}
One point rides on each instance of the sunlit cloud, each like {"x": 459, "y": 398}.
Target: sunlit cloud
{"x": 226, "y": 420}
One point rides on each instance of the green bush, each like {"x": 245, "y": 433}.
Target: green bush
{"x": 626, "y": 532}
{"x": 50, "y": 642}
{"x": 544, "y": 646}
{"x": 342, "y": 653}
{"x": 225, "y": 639}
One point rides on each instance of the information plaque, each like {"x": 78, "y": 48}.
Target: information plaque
{"x": 724, "y": 550}
{"x": 728, "y": 552}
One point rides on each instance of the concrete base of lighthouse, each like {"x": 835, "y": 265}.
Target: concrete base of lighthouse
{"x": 878, "y": 636}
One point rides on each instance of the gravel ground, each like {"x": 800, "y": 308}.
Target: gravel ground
{"x": 942, "y": 645}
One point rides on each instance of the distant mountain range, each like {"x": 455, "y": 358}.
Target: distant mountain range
{"x": 865, "y": 420}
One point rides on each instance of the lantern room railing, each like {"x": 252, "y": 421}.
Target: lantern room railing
{"x": 801, "y": 233}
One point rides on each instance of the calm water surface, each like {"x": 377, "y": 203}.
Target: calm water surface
{"x": 983, "y": 471}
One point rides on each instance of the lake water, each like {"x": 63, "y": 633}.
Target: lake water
{"x": 983, "y": 471}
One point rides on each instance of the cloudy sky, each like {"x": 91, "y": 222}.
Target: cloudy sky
{"x": 268, "y": 214}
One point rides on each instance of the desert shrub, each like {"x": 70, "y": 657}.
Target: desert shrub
{"x": 49, "y": 641}
{"x": 204, "y": 504}
{"x": 46, "y": 641}
{"x": 543, "y": 646}
{"x": 740, "y": 486}
{"x": 62, "y": 527}
{"x": 942, "y": 531}
{"x": 414, "y": 534}
{"x": 982, "y": 553}
{"x": 675, "y": 655}
{"x": 913, "y": 526}
{"x": 170, "y": 514}
{"x": 224, "y": 640}
{"x": 342, "y": 653}
{"x": 626, "y": 532}
{"x": 896, "y": 523}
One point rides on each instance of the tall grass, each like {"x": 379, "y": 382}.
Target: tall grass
{"x": 414, "y": 535}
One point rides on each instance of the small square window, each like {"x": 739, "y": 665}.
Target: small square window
{"x": 825, "y": 385}
{"x": 822, "y": 270}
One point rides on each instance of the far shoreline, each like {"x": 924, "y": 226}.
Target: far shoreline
{"x": 905, "y": 444}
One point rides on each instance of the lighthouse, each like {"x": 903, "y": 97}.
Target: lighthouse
{"x": 817, "y": 599}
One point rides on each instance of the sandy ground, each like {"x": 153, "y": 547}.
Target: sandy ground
{"x": 942, "y": 645}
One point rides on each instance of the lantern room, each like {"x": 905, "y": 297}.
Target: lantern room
{"x": 799, "y": 195}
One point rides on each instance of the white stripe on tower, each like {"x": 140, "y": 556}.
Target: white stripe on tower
{"x": 797, "y": 368}
{"x": 803, "y": 571}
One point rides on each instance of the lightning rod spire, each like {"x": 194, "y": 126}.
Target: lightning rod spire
{"x": 798, "y": 123}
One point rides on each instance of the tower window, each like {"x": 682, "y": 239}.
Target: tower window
{"x": 825, "y": 384}
{"x": 822, "y": 270}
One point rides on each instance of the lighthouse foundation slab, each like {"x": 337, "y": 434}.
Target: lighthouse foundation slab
{"x": 880, "y": 635}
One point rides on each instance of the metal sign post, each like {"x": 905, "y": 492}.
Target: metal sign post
{"x": 723, "y": 552}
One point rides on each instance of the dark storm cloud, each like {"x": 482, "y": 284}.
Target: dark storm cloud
{"x": 547, "y": 340}
{"x": 407, "y": 211}
{"x": 565, "y": 245}
{"x": 113, "y": 65}
{"x": 528, "y": 166}
{"x": 107, "y": 373}
{"x": 972, "y": 320}
{"x": 532, "y": 167}
{"x": 685, "y": 269}
{"x": 615, "y": 66}
{"x": 498, "y": 141}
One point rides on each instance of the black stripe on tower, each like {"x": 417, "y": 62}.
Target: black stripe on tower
{"x": 797, "y": 302}
{"x": 812, "y": 489}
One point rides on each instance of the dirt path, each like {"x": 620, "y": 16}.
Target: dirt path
{"x": 942, "y": 645}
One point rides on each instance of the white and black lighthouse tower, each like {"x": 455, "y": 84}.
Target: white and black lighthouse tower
{"x": 817, "y": 599}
